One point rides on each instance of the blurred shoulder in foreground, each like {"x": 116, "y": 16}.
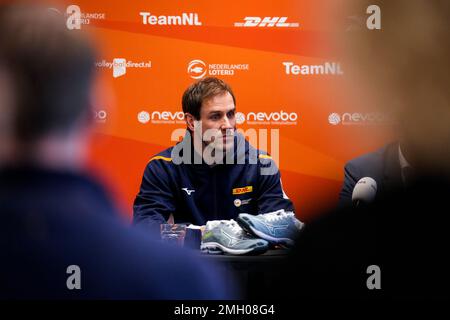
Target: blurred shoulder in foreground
{"x": 404, "y": 233}
{"x": 55, "y": 220}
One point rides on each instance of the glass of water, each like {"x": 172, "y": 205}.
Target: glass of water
{"x": 173, "y": 234}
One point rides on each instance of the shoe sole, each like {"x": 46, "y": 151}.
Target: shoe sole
{"x": 217, "y": 248}
{"x": 282, "y": 241}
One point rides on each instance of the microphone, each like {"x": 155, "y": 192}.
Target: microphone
{"x": 364, "y": 191}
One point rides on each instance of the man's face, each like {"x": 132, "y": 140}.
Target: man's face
{"x": 218, "y": 113}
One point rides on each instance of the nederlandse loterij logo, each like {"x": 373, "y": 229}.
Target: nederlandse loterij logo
{"x": 143, "y": 117}
{"x": 76, "y": 18}
{"x": 357, "y": 118}
{"x": 120, "y": 65}
{"x": 332, "y": 68}
{"x": 197, "y": 69}
{"x": 270, "y": 22}
{"x": 264, "y": 118}
{"x": 185, "y": 19}
{"x": 334, "y": 119}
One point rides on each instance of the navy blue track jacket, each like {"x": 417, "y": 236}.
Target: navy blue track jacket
{"x": 197, "y": 193}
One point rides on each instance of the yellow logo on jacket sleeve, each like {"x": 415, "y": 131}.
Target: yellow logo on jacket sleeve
{"x": 243, "y": 190}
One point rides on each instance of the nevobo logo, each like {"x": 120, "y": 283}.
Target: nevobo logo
{"x": 334, "y": 119}
{"x": 161, "y": 117}
{"x": 357, "y": 118}
{"x": 143, "y": 117}
{"x": 100, "y": 116}
{"x": 240, "y": 117}
{"x": 278, "y": 118}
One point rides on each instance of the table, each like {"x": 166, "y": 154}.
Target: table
{"x": 256, "y": 276}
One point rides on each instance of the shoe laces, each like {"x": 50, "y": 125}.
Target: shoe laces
{"x": 213, "y": 224}
{"x": 277, "y": 215}
{"x": 235, "y": 228}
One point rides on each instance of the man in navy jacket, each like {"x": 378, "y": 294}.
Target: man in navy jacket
{"x": 196, "y": 186}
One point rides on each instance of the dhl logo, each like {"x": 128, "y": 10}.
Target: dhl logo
{"x": 243, "y": 190}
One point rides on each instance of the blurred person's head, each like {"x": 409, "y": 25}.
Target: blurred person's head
{"x": 405, "y": 69}
{"x": 45, "y": 79}
{"x": 211, "y": 104}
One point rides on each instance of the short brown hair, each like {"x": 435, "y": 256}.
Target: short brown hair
{"x": 50, "y": 68}
{"x": 202, "y": 90}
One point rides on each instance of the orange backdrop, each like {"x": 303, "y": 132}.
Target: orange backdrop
{"x": 313, "y": 149}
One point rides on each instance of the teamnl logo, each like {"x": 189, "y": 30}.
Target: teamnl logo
{"x": 269, "y": 22}
{"x": 185, "y": 19}
{"x": 327, "y": 68}
{"x": 197, "y": 69}
{"x": 267, "y": 118}
{"x": 161, "y": 117}
{"x": 356, "y": 118}
{"x": 75, "y": 18}
{"x": 119, "y": 66}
